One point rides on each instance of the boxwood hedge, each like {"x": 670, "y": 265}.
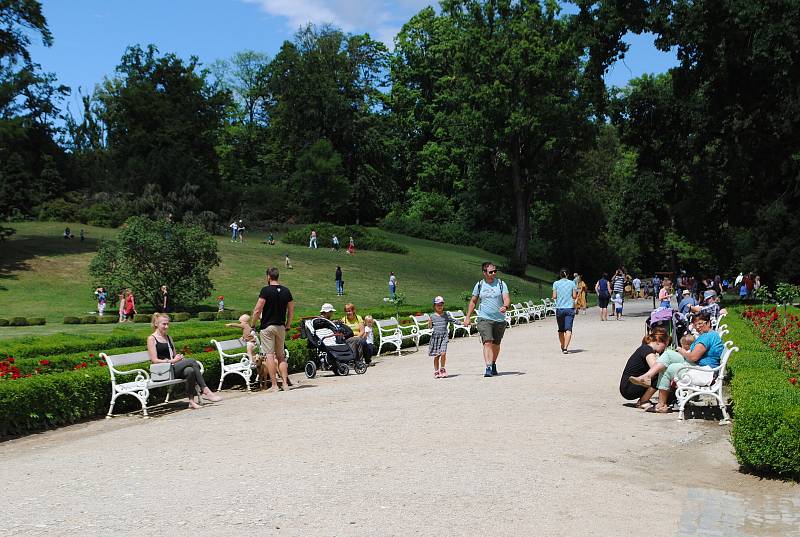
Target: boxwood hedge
{"x": 766, "y": 425}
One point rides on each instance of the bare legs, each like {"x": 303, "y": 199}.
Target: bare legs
{"x": 490, "y": 352}
{"x": 564, "y": 338}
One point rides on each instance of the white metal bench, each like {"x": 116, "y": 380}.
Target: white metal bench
{"x": 687, "y": 389}
{"x": 536, "y": 312}
{"x": 459, "y": 317}
{"x": 549, "y": 306}
{"x": 420, "y": 327}
{"x": 391, "y": 333}
{"x": 242, "y": 366}
{"x": 141, "y": 384}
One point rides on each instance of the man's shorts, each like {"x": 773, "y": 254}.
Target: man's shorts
{"x": 564, "y": 318}
{"x": 491, "y": 330}
{"x": 602, "y": 301}
{"x": 272, "y": 338}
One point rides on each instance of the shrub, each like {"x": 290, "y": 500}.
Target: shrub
{"x": 180, "y": 317}
{"x": 72, "y": 320}
{"x": 36, "y": 321}
{"x": 18, "y": 321}
{"x": 88, "y": 319}
{"x": 766, "y": 425}
{"x": 207, "y": 316}
{"x": 365, "y": 239}
{"x": 141, "y": 318}
{"x": 107, "y": 319}
{"x": 227, "y": 315}
{"x": 3, "y": 322}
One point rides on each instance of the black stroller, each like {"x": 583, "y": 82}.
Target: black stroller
{"x": 332, "y": 353}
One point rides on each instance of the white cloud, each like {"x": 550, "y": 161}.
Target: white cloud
{"x": 381, "y": 19}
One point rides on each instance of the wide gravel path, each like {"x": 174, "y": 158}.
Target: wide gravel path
{"x": 547, "y": 448}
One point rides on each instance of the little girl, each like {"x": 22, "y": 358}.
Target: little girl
{"x": 369, "y": 323}
{"x": 249, "y": 337}
{"x": 437, "y": 347}
{"x": 665, "y": 293}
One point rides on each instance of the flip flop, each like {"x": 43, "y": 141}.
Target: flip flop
{"x": 639, "y": 382}
{"x": 654, "y": 410}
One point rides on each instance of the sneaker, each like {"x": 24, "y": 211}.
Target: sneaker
{"x": 494, "y": 370}
{"x": 488, "y": 372}
{"x": 442, "y": 373}
{"x": 437, "y": 374}
{"x": 564, "y": 351}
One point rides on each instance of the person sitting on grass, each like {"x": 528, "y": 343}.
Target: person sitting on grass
{"x": 640, "y": 363}
{"x": 161, "y": 349}
{"x": 706, "y": 352}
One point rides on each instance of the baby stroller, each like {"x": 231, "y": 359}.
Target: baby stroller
{"x": 332, "y": 353}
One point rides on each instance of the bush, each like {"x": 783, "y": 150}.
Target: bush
{"x": 36, "y": 321}
{"x": 18, "y": 321}
{"x": 107, "y": 319}
{"x": 766, "y": 425}
{"x": 180, "y": 317}
{"x": 207, "y": 316}
{"x": 365, "y": 239}
{"x": 3, "y": 322}
{"x": 72, "y": 320}
{"x": 227, "y": 315}
{"x": 141, "y": 318}
{"x": 88, "y": 319}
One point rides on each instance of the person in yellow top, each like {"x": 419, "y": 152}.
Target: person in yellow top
{"x": 358, "y": 341}
{"x": 580, "y": 302}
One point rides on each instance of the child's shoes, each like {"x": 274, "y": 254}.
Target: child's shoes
{"x": 442, "y": 373}
{"x": 437, "y": 374}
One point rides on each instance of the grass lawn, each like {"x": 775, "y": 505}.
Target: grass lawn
{"x": 44, "y": 275}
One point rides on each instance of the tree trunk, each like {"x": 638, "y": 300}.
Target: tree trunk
{"x": 522, "y": 217}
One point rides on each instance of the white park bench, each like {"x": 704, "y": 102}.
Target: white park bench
{"x": 459, "y": 316}
{"x": 420, "y": 327}
{"x": 536, "y": 311}
{"x": 520, "y": 313}
{"x": 688, "y": 388}
{"x": 241, "y": 364}
{"x": 141, "y": 384}
{"x": 391, "y": 333}
{"x": 549, "y": 306}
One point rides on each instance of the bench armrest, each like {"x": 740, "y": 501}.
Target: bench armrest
{"x": 141, "y": 374}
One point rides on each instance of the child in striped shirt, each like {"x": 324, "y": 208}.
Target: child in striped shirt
{"x": 437, "y": 348}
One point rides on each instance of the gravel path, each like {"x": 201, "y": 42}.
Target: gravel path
{"x": 545, "y": 449}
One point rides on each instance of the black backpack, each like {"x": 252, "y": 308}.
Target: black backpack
{"x": 499, "y": 284}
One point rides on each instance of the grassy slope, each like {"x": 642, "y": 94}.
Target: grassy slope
{"x": 41, "y": 274}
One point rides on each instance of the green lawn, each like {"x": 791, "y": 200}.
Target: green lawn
{"x": 42, "y": 274}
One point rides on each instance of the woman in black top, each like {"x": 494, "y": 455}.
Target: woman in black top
{"x": 639, "y": 363}
{"x": 164, "y": 302}
{"x": 162, "y": 351}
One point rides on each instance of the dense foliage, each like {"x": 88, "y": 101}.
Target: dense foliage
{"x": 489, "y": 121}
{"x": 363, "y": 238}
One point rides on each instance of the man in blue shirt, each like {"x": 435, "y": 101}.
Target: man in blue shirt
{"x": 565, "y": 293}
{"x": 686, "y": 302}
{"x": 493, "y": 294}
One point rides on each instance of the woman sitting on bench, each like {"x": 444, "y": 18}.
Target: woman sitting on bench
{"x": 162, "y": 351}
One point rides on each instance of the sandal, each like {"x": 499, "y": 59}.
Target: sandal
{"x": 640, "y": 382}
{"x": 655, "y": 410}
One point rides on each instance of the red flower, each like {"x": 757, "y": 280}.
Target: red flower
{"x": 38, "y": 370}
{"x": 208, "y": 349}
{"x": 44, "y": 362}
{"x": 10, "y": 359}
{"x": 793, "y": 380}
{"x": 14, "y": 376}
{"x": 295, "y": 336}
{"x": 91, "y": 355}
{"x": 83, "y": 364}
{"x": 101, "y": 363}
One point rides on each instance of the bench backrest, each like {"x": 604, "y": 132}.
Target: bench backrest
{"x": 723, "y": 361}
{"x": 459, "y": 315}
{"x": 389, "y": 325}
{"x": 421, "y": 320}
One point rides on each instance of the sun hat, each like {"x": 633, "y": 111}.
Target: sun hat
{"x": 326, "y": 308}
{"x": 709, "y": 294}
{"x": 687, "y": 292}
{"x": 438, "y": 300}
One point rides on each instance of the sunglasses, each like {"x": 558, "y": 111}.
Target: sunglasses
{"x": 491, "y": 272}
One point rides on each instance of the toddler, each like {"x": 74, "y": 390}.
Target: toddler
{"x": 686, "y": 341}
{"x": 617, "y": 300}
{"x": 220, "y": 303}
{"x": 437, "y": 348}
{"x": 249, "y": 337}
{"x": 289, "y": 261}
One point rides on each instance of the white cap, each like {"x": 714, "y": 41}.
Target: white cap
{"x": 326, "y": 308}
{"x": 438, "y": 300}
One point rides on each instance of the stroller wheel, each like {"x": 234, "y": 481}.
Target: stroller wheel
{"x": 343, "y": 369}
{"x": 311, "y": 369}
{"x": 361, "y": 367}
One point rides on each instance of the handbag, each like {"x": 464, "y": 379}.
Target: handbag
{"x": 161, "y": 372}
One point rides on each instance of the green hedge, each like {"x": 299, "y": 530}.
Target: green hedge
{"x": 45, "y": 401}
{"x": 88, "y": 319}
{"x": 72, "y": 320}
{"x": 18, "y": 321}
{"x": 180, "y": 317}
{"x": 227, "y": 315}
{"x": 107, "y": 319}
{"x": 142, "y": 318}
{"x": 3, "y": 322}
{"x": 207, "y": 316}
{"x": 766, "y": 425}
{"x": 365, "y": 239}
{"x": 36, "y": 321}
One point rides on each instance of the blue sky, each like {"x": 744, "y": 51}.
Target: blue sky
{"x": 91, "y": 35}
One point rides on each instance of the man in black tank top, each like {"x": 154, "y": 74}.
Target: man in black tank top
{"x": 274, "y": 302}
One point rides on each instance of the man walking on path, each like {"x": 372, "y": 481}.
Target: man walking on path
{"x": 272, "y": 306}
{"x": 564, "y": 293}
{"x": 493, "y": 294}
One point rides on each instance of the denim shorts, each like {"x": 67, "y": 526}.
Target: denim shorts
{"x": 564, "y": 318}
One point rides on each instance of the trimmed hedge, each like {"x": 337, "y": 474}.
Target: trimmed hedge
{"x": 180, "y": 317}
{"x": 37, "y": 321}
{"x": 207, "y": 316}
{"x": 18, "y": 321}
{"x": 3, "y": 322}
{"x": 766, "y": 425}
{"x": 44, "y": 401}
{"x": 88, "y": 319}
{"x": 142, "y": 318}
{"x": 107, "y": 319}
{"x": 365, "y": 239}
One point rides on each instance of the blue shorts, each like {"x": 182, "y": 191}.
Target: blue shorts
{"x": 564, "y": 318}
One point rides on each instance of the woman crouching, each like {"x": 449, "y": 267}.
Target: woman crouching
{"x": 640, "y": 362}
{"x": 162, "y": 351}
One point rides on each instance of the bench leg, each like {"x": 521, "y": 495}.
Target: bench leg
{"x": 111, "y": 406}
{"x": 169, "y": 392}
{"x": 221, "y": 378}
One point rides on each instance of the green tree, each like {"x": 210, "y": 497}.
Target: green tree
{"x": 150, "y": 253}
{"x": 320, "y": 189}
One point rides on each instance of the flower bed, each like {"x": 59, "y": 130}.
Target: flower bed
{"x": 766, "y": 396}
